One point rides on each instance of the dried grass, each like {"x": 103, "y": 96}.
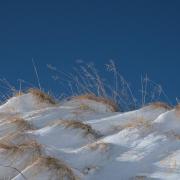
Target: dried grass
{"x": 177, "y": 110}
{"x": 136, "y": 123}
{"x": 177, "y": 107}
{"x": 99, "y": 145}
{"x": 16, "y": 94}
{"x": 32, "y": 145}
{"x": 110, "y": 103}
{"x": 78, "y": 125}
{"x": 15, "y": 138}
{"x": 158, "y": 105}
{"x": 29, "y": 153}
{"x": 6, "y": 116}
{"x": 42, "y": 96}
{"x": 22, "y": 124}
{"x": 58, "y": 167}
{"x": 14, "y": 128}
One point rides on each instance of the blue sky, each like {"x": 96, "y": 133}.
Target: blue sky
{"x": 141, "y": 36}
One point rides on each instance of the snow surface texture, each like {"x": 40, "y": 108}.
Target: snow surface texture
{"x": 84, "y": 139}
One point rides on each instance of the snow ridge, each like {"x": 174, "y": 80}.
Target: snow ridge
{"x": 85, "y": 139}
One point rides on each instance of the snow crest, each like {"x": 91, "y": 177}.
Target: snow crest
{"x": 85, "y": 139}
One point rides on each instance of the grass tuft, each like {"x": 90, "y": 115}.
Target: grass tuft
{"x": 59, "y": 168}
{"x": 99, "y": 99}
{"x": 157, "y": 105}
{"x": 136, "y": 123}
{"x": 15, "y": 138}
{"x": 22, "y": 124}
{"x": 42, "y": 96}
{"x": 32, "y": 145}
{"x": 78, "y": 125}
{"x": 177, "y": 110}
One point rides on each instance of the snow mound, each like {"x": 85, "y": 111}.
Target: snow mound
{"x": 86, "y": 138}
{"x": 33, "y": 100}
{"x": 93, "y": 103}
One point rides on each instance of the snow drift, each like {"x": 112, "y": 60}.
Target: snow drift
{"x": 86, "y": 138}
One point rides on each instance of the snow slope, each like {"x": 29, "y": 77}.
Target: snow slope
{"x": 84, "y": 139}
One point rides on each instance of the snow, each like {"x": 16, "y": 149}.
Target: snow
{"x": 140, "y": 144}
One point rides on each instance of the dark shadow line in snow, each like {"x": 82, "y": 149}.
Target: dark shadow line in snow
{"x": 16, "y": 170}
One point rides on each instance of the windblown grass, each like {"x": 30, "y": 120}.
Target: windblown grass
{"x": 135, "y": 123}
{"x": 158, "y": 105}
{"x": 110, "y": 103}
{"x": 58, "y": 168}
{"x": 18, "y": 157}
{"x": 140, "y": 122}
{"x": 35, "y": 156}
{"x": 42, "y": 96}
{"x": 87, "y": 79}
{"x": 78, "y": 125}
{"x": 15, "y": 149}
{"x": 22, "y": 124}
{"x": 6, "y": 116}
{"x": 16, "y": 138}
{"x": 13, "y": 125}
{"x": 177, "y": 110}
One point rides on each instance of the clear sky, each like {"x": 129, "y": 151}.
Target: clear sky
{"x": 141, "y": 36}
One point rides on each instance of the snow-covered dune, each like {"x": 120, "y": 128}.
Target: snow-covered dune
{"x": 86, "y": 138}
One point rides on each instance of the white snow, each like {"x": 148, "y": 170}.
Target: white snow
{"x": 141, "y": 144}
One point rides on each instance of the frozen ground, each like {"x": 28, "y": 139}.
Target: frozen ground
{"x": 84, "y": 139}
